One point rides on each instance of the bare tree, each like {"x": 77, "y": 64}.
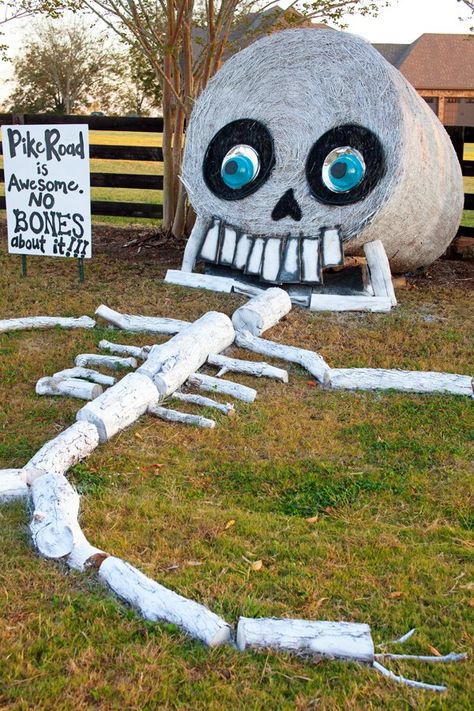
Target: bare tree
{"x": 65, "y": 67}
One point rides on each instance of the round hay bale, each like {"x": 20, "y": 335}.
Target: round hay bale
{"x": 294, "y": 97}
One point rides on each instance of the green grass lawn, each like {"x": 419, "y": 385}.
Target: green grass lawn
{"x": 386, "y": 479}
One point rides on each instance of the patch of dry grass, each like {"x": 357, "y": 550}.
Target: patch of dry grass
{"x": 388, "y": 476}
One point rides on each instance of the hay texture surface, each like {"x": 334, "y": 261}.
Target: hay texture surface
{"x": 302, "y": 83}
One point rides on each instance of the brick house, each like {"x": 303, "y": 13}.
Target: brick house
{"x": 441, "y": 68}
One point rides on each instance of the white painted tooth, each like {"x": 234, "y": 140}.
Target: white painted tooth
{"x": 254, "y": 261}
{"x": 228, "y": 246}
{"x": 211, "y": 243}
{"x": 310, "y": 257}
{"x": 333, "y": 252}
{"x": 244, "y": 243}
{"x": 271, "y": 259}
{"x": 290, "y": 271}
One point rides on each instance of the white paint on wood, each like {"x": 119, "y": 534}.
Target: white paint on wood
{"x": 246, "y": 289}
{"x": 334, "y": 302}
{"x": 242, "y": 251}
{"x": 12, "y": 485}
{"x": 201, "y": 401}
{"x": 181, "y": 417}
{"x": 20, "y": 324}
{"x": 402, "y": 380}
{"x": 194, "y": 242}
{"x": 379, "y": 270}
{"x": 271, "y": 259}
{"x": 125, "y": 349}
{"x": 249, "y": 367}
{"x": 54, "y": 521}
{"x": 290, "y": 271}
{"x": 227, "y": 251}
{"x": 407, "y": 682}
{"x": 309, "y": 360}
{"x": 254, "y": 261}
{"x": 338, "y": 640}
{"x": 216, "y": 385}
{"x": 86, "y": 374}
{"x": 105, "y": 361}
{"x": 211, "y": 243}
{"x": 262, "y": 311}
{"x": 200, "y": 281}
{"x": 156, "y": 602}
{"x": 119, "y": 406}
{"x": 310, "y": 261}
{"x": 82, "y": 551}
{"x": 70, "y": 387}
{"x": 332, "y": 250}
{"x": 61, "y": 453}
{"x": 170, "y": 364}
{"x": 144, "y": 324}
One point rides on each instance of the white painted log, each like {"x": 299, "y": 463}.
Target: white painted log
{"x": 72, "y": 387}
{"x": 55, "y": 526}
{"x": 82, "y": 551}
{"x": 333, "y": 302}
{"x": 338, "y": 640}
{"x": 200, "y": 281}
{"x": 193, "y": 245}
{"x": 246, "y": 289}
{"x": 170, "y": 364}
{"x": 227, "y": 408}
{"x": 125, "y": 350}
{"x": 105, "y": 361}
{"x": 309, "y": 360}
{"x": 61, "y": 453}
{"x": 86, "y": 374}
{"x": 402, "y": 380}
{"x": 12, "y": 485}
{"x": 236, "y": 365}
{"x": 216, "y": 385}
{"x": 120, "y": 405}
{"x": 54, "y": 522}
{"x": 182, "y": 417}
{"x": 262, "y": 311}
{"x": 379, "y": 270}
{"x": 156, "y": 602}
{"x": 20, "y": 324}
{"x": 144, "y": 324}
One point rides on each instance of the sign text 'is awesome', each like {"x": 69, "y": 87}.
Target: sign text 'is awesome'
{"x": 47, "y": 188}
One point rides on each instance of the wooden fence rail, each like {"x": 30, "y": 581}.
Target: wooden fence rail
{"x": 459, "y": 136}
{"x": 110, "y": 180}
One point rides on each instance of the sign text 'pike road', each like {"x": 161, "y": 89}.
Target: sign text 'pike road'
{"x": 47, "y": 187}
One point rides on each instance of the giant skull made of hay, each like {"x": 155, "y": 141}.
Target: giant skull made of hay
{"x": 308, "y": 144}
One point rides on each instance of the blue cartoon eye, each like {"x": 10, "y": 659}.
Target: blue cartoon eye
{"x": 343, "y": 169}
{"x": 240, "y": 166}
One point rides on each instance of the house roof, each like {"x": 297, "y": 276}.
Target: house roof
{"x": 435, "y": 61}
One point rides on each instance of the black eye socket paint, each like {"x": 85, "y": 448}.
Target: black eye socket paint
{"x": 362, "y": 140}
{"x": 248, "y": 132}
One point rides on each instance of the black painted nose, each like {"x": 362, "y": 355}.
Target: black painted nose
{"x": 287, "y": 207}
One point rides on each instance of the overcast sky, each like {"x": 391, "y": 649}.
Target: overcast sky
{"x": 402, "y": 22}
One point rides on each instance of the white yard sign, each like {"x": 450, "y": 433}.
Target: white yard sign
{"x": 47, "y": 188}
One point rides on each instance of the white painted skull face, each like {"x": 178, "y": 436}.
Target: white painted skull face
{"x": 308, "y": 143}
